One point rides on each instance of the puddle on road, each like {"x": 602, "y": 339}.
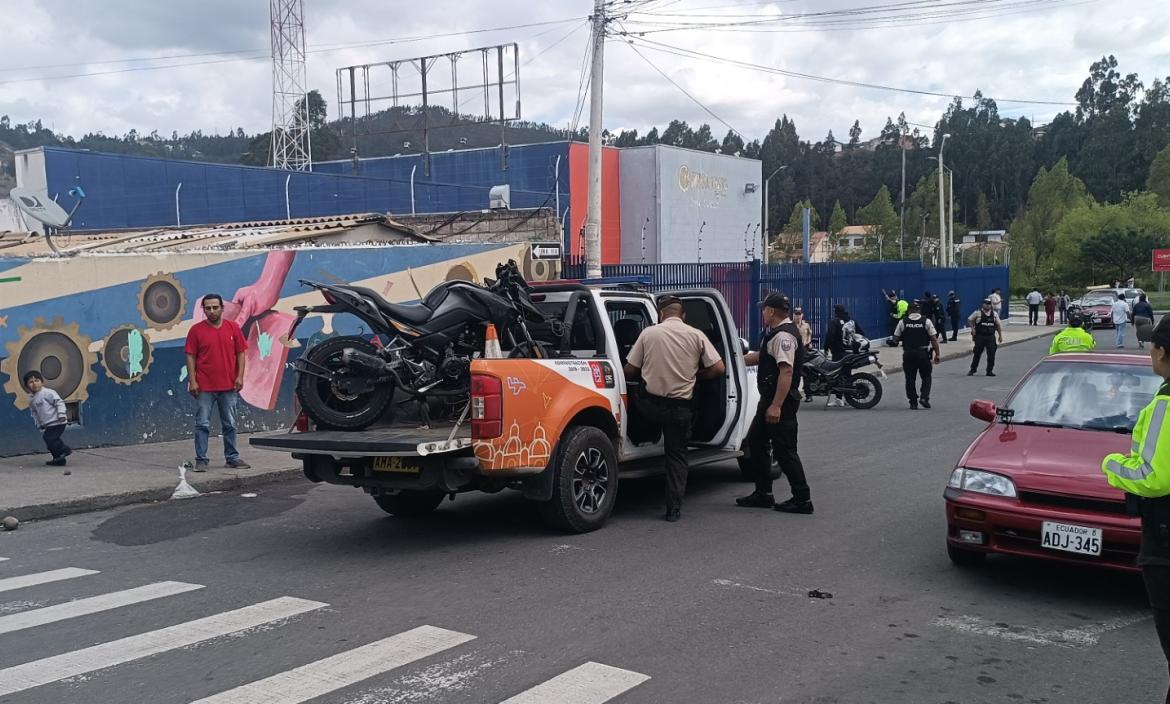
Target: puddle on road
{"x": 171, "y": 520}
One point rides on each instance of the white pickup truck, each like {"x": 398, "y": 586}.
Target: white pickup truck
{"x": 562, "y": 430}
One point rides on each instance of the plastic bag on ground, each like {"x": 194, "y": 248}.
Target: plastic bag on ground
{"x": 184, "y": 490}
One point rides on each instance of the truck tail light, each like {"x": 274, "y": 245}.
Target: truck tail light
{"x": 487, "y": 407}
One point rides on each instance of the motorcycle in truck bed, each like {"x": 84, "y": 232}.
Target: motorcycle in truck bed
{"x": 563, "y": 428}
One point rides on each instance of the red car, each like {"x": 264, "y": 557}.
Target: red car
{"x": 1099, "y": 305}
{"x": 1031, "y": 484}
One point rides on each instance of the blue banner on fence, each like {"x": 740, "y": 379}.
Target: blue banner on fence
{"x": 817, "y": 287}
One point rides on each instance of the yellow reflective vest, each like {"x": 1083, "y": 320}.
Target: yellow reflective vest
{"x": 1145, "y": 471}
{"x": 900, "y": 309}
{"x": 1072, "y": 339}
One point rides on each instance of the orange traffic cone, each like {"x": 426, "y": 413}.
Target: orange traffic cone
{"x": 491, "y": 344}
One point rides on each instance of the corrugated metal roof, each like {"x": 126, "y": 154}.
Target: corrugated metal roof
{"x": 228, "y": 236}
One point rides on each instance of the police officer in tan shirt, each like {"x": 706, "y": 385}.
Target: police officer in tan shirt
{"x": 670, "y": 357}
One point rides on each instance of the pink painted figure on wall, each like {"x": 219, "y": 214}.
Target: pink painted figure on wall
{"x": 264, "y": 329}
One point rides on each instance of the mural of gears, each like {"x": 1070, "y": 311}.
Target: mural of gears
{"x": 538, "y": 269}
{"x": 162, "y": 301}
{"x": 126, "y": 354}
{"x": 462, "y": 272}
{"x": 59, "y": 352}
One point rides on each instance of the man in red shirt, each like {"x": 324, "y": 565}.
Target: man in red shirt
{"x": 215, "y": 375}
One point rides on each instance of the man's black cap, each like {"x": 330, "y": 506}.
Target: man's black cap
{"x": 775, "y": 300}
{"x": 664, "y": 301}
{"x": 915, "y": 304}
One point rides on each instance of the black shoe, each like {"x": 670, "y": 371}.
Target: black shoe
{"x": 971, "y": 373}
{"x": 68, "y": 451}
{"x": 237, "y": 464}
{"x": 56, "y": 462}
{"x": 914, "y": 405}
{"x": 673, "y": 514}
{"x": 954, "y": 339}
{"x": 808, "y": 399}
{"x": 990, "y": 373}
{"x": 756, "y": 500}
{"x": 925, "y": 403}
{"x": 794, "y": 506}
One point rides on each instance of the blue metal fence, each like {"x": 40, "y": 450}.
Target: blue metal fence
{"x": 816, "y": 287}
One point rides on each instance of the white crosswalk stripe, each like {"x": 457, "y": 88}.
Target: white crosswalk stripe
{"x": 98, "y": 657}
{"x": 324, "y": 676}
{"x": 32, "y": 580}
{"x": 92, "y": 605}
{"x": 591, "y": 683}
{"x": 2, "y": 559}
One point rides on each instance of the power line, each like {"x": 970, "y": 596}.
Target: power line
{"x": 263, "y": 54}
{"x": 692, "y": 54}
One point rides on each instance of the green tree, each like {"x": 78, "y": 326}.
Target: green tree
{"x": 1121, "y": 253}
{"x": 1158, "y": 182}
{"x": 982, "y": 213}
{"x": 855, "y": 135}
{"x": 1054, "y": 193}
{"x": 732, "y": 143}
{"x": 837, "y": 221}
{"x": 796, "y": 218}
{"x": 881, "y": 223}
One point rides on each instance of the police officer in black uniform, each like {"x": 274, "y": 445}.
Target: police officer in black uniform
{"x": 774, "y": 426}
{"x": 985, "y": 330}
{"x": 918, "y": 337}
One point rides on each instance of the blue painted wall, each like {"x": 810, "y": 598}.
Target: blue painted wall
{"x": 132, "y": 192}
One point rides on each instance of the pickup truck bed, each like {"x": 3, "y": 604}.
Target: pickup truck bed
{"x": 391, "y": 441}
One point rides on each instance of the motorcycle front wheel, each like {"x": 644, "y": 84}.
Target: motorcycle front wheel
{"x": 331, "y": 405}
{"x": 867, "y": 391}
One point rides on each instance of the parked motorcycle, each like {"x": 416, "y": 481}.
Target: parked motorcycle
{"x": 823, "y": 377}
{"x": 346, "y": 383}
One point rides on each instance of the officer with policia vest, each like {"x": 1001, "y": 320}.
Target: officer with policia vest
{"x": 1074, "y": 338}
{"x": 986, "y": 331}
{"x": 918, "y": 337}
{"x": 1144, "y": 474}
{"x": 774, "y": 426}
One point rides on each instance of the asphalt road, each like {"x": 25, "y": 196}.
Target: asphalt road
{"x": 711, "y": 609}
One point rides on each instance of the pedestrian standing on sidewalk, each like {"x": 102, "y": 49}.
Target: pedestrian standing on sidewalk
{"x": 985, "y": 331}
{"x": 939, "y": 319}
{"x": 48, "y": 413}
{"x": 774, "y": 427}
{"x": 919, "y": 337}
{"x": 1143, "y": 321}
{"x": 996, "y": 302}
{"x": 1034, "y": 299}
{"x": 955, "y": 313}
{"x": 1050, "y": 309}
{"x": 1120, "y": 310}
{"x": 215, "y": 374}
{"x": 802, "y": 325}
{"x": 670, "y": 357}
{"x": 1062, "y": 301}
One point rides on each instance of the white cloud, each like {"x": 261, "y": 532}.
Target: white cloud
{"x": 1040, "y": 55}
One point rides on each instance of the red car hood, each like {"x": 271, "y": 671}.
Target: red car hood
{"x": 1050, "y": 460}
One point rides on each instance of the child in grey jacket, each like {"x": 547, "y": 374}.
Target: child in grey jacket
{"x": 48, "y": 412}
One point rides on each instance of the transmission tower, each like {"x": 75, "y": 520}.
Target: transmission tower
{"x": 290, "y": 103}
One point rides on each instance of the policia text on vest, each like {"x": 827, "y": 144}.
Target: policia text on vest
{"x": 919, "y": 340}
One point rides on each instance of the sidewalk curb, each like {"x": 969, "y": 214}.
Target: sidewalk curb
{"x": 891, "y": 369}
{"x": 101, "y": 502}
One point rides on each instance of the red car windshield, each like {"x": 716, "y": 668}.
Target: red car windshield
{"x": 1099, "y": 299}
{"x": 1086, "y": 396}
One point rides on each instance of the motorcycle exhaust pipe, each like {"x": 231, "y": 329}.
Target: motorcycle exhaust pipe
{"x": 361, "y": 362}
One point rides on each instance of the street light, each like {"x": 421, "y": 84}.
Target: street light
{"x": 766, "y": 181}
{"x": 941, "y": 205}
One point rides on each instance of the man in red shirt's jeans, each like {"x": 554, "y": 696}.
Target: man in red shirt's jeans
{"x": 215, "y": 375}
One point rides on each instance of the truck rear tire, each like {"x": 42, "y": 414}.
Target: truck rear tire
{"x": 585, "y": 481}
{"x": 409, "y": 504}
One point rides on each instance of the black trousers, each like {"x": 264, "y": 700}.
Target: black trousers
{"x": 988, "y": 343}
{"x": 1157, "y": 579}
{"x": 674, "y": 417}
{"x": 777, "y": 440}
{"x": 53, "y": 441}
{"x": 940, "y": 324}
{"x": 955, "y": 321}
{"x": 914, "y": 364}
{"x": 1033, "y": 314}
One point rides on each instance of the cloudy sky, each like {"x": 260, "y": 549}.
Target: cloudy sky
{"x": 1037, "y": 50}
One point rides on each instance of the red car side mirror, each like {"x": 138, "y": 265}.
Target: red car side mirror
{"x": 983, "y": 410}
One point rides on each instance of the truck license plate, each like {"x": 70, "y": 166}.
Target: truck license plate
{"x": 395, "y": 464}
{"x": 1070, "y": 538}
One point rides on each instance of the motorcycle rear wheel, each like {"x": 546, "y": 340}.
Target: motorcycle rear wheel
{"x": 870, "y": 388}
{"x": 321, "y": 399}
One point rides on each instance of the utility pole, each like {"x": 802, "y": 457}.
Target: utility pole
{"x": 596, "y": 85}
{"x": 942, "y": 207}
{"x": 951, "y": 229}
{"x": 902, "y": 206}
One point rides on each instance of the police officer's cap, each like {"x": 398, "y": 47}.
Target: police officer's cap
{"x": 775, "y": 300}
{"x": 915, "y": 304}
{"x": 666, "y": 301}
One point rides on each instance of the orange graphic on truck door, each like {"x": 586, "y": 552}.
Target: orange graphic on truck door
{"x": 520, "y": 407}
